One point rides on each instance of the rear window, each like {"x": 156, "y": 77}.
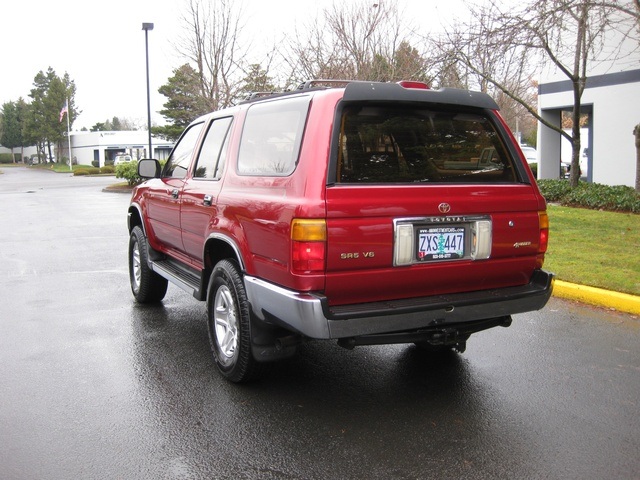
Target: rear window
{"x": 388, "y": 144}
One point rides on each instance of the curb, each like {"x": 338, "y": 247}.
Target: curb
{"x": 596, "y": 296}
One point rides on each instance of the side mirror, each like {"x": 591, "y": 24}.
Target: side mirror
{"x": 149, "y": 168}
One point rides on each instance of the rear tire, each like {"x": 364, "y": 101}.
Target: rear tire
{"x": 229, "y": 324}
{"x": 146, "y": 285}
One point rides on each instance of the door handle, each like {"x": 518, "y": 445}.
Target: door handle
{"x": 207, "y": 200}
{"x": 175, "y": 193}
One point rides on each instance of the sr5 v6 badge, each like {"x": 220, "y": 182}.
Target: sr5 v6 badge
{"x": 355, "y": 255}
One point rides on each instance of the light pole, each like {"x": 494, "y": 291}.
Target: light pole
{"x": 146, "y": 27}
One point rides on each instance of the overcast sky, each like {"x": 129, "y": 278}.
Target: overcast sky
{"x": 101, "y": 46}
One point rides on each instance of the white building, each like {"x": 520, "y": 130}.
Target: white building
{"x": 612, "y": 100}
{"x": 100, "y": 148}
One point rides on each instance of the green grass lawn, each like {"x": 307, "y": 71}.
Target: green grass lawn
{"x": 590, "y": 247}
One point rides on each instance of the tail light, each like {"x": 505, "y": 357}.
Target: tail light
{"x": 544, "y": 232}
{"x": 543, "y": 242}
{"x": 308, "y": 245}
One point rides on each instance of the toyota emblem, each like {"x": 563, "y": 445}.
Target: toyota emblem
{"x": 444, "y": 208}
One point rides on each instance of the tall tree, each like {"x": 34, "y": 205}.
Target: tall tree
{"x": 211, "y": 43}
{"x": 185, "y": 102}
{"x": 44, "y": 126}
{"x": 356, "y": 40}
{"x": 256, "y": 80}
{"x": 11, "y": 129}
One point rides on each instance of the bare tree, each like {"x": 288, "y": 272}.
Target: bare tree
{"x": 466, "y": 57}
{"x": 211, "y": 42}
{"x": 359, "y": 41}
{"x": 567, "y": 35}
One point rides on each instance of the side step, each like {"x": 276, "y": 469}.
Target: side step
{"x": 186, "y": 278}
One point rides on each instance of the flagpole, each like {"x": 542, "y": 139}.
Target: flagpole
{"x": 69, "y": 138}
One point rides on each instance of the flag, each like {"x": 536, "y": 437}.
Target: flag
{"x": 64, "y": 110}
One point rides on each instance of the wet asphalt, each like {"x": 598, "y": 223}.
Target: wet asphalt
{"x": 93, "y": 386}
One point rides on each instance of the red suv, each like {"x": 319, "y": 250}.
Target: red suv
{"x": 369, "y": 213}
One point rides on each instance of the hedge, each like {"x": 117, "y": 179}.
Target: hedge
{"x": 594, "y": 196}
{"x": 6, "y": 158}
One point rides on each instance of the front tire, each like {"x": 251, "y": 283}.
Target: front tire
{"x": 229, "y": 324}
{"x": 146, "y": 285}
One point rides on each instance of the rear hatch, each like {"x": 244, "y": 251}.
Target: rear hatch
{"x": 426, "y": 199}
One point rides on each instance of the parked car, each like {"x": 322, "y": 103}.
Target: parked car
{"x": 530, "y": 153}
{"x": 334, "y": 212}
{"x": 123, "y": 158}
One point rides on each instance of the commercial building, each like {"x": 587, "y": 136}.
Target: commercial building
{"x": 100, "y": 148}
{"x": 610, "y": 99}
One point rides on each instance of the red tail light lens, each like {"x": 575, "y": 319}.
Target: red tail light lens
{"x": 543, "y": 244}
{"x": 308, "y": 245}
{"x": 308, "y": 257}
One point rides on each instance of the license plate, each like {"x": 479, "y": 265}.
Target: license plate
{"x": 440, "y": 243}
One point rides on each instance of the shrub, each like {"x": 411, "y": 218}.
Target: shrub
{"x": 591, "y": 195}
{"x": 6, "y": 158}
{"x": 86, "y": 171}
{"x": 107, "y": 169}
{"x": 554, "y": 190}
{"x": 128, "y": 171}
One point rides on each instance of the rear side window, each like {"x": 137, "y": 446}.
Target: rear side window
{"x": 271, "y": 137}
{"x": 403, "y": 145}
{"x": 213, "y": 154}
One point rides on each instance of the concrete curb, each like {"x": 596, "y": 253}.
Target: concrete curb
{"x": 596, "y": 296}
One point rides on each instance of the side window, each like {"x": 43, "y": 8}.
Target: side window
{"x": 212, "y": 154}
{"x": 271, "y": 137}
{"x": 180, "y": 158}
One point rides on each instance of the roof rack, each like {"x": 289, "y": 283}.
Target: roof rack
{"x": 254, "y": 95}
{"x": 323, "y": 83}
{"x": 308, "y": 85}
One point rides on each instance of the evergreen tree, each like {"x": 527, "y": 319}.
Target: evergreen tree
{"x": 185, "y": 102}
{"x": 11, "y": 130}
{"x": 44, "y": 125}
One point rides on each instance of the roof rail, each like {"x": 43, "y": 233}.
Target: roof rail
{"x": 323, "y": 83}
{"x": 308, "y": 85}
{"x": 254, "y": 95}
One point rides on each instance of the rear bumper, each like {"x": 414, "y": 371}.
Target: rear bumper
{"x": 311, "y": 316}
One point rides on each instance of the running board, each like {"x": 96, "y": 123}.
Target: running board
{"x": 180, "y": 275}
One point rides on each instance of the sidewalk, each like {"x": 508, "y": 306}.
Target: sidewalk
{"x": 597, "y": 296}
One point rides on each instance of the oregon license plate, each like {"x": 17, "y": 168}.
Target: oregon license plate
{"x": 440, "y": 243}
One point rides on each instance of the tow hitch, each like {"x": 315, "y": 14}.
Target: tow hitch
{"x": 456, "y": 337}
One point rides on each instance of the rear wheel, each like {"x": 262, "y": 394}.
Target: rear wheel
{"x": 230, "y": 324}
{"x": 146, "y": 285}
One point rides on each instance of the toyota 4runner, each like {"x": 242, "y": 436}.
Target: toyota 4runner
{"x": 369, "y": 213}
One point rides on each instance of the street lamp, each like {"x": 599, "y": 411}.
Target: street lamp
{"x": 146, "y": 27}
